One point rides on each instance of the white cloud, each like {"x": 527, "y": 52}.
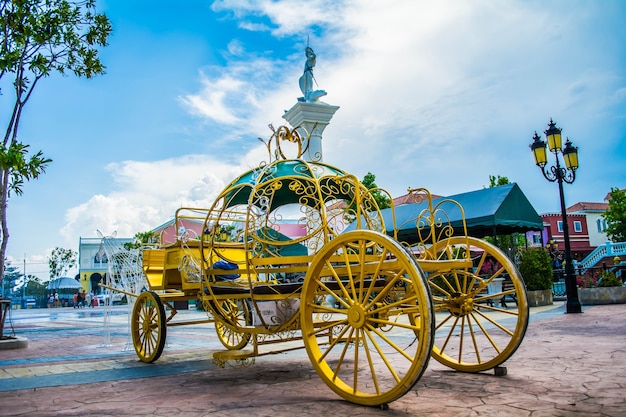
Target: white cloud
{"x": 436, "y": 94}
{"x": 210, "y": 102}
{"x": 287, "y": 16}
{"x": 148, "y": 194}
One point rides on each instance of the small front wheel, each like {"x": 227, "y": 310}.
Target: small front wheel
{"x": 148, "y": 326}
{"x": 237, "y": 312}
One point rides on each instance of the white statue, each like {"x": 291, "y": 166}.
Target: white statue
{"x": 306, "y": 81}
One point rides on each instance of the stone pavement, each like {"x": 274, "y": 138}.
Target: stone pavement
{"x": 567, "y": 365}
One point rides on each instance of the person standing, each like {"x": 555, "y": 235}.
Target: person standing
{"x": 89, "y": 299}
{"x": 83, "y": 296}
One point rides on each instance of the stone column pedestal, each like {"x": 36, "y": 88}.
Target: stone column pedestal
{"x": 310, "y": 119}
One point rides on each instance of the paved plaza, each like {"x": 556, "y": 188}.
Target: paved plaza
{"x": 74, "y": 365}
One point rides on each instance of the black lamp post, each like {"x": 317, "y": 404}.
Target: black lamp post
{"x": 560, "y": 175}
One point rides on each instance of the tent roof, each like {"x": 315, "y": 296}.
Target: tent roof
{"x": 64, "y": 283}
{"x": 491, "y": 211}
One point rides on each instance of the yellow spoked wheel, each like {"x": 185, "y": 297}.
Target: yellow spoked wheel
{"x": 237, "y": 312}
{"x": 481, "y": 310}
{"x": 148, "y": 326}
{"x": 367, "y": 317}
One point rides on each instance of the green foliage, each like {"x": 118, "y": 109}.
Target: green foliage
{"x": 382, "y": 200}
{"x": 498, "y": 181}
{"x": 34, "y": 287}
{"x": 15, "y": 162}
{"x": 609, "y": 280}
{"x": 615, "y": 216}
{"x": 536, "y": 269}
{"x": 11, "y": 275}
{"x": 37, "y": 38}
{"x": 508, "y": 243}
{"x": 141, "y": 239}
{"x": 60, "y": 261}
{"x": 369, "y": 181}
{"x": 594, "y": 278}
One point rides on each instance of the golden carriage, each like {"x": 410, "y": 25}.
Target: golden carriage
{"x": 369, "y": 310}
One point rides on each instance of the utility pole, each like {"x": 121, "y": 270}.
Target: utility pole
{"x": 24, "y": 283}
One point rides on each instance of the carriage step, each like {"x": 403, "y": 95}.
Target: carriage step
{"x": 236, "y": 358}
{"x": 233, "y": 355}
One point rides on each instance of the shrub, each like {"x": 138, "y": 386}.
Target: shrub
{"x": 588, "y": 280}
{"x": 609, "y": 280}
{"x": 536, "y": 269}
{"x": 593, "y": 279}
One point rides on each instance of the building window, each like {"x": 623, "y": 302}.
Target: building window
{"x": 578, "y": 227}
{"x": 559, "y": 226}
{"x": 599, "y": 224}
{"x": 100, "y": 260}
{"x": 604, "y": 225}
{"x": 536, "y": 239}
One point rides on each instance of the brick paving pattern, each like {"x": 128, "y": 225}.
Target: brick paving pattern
{"x": 567, "y": 365}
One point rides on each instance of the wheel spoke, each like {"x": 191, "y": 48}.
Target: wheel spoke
{"x": 392, "y": 371}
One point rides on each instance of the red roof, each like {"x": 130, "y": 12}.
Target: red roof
{"x": 411, "y": 198}
{"x": 587, "y": 206}
{"x": 608, "y": 196}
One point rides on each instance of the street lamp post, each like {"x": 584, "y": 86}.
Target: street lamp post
{"x": 558, "y": 174}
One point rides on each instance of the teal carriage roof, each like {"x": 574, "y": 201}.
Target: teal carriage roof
{"x": 288, "y": 181}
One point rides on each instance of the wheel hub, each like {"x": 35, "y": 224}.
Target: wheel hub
{"x": 460, "y": 304}
{"x": 356, "y": 316}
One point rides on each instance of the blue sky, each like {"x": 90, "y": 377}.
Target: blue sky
{"x": 432, "y": 94}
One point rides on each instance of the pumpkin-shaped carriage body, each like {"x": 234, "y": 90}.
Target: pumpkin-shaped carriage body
{"x": 369, "y": 310}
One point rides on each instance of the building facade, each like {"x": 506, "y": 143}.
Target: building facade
{"x": 596, "y": 224}
{"x": 578, "y": 233}
{"x": 92, "y": 263}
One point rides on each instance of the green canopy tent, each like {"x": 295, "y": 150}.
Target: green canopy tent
{"x": 501, "y": 210}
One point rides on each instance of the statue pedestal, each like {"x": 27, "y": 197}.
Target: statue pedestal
{"x": 310, "y": 120}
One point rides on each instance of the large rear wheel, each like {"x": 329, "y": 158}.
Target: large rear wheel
{"x": 367, "y": 317}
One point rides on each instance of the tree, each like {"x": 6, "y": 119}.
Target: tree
{"x": 60, "y": 261}
{"x": 9, "y": 281}
{"x": 508, "y": 243}
{"x": 34, "y": 287}
{"x": 381, "y": 198}
{"x": 498, "y": 181}
{"x": 615, "y": 216}
{"x": 37, "y": 38}
{"x": 141, "y": 239}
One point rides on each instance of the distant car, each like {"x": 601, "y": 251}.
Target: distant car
{"x": 101, "y": 299}
{"x": 116, "y": 297}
